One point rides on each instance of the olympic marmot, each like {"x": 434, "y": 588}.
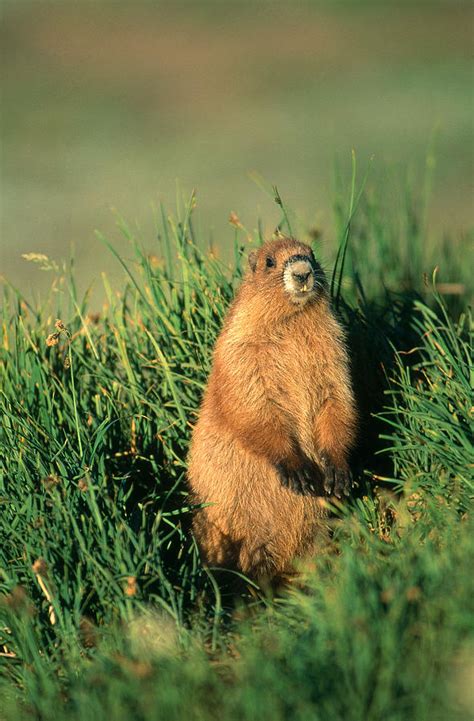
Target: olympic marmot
{"x": 277, "y": 420}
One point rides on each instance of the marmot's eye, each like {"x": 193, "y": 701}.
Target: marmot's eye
{"x": 270, "y": 262}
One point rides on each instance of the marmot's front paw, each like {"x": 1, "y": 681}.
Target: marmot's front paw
{"x": 300, "y": 480}
{"x": 337, "y": 481}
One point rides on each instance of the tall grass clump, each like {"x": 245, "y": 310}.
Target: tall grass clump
{"x": 430, "y": 410}
{"x": 106, "y": 610}
{"x": 96, "y": 413}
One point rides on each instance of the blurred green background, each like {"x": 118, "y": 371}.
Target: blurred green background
{"x": 108, "y": 104}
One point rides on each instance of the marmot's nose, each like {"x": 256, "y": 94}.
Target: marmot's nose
{"x": 301, "y": 277}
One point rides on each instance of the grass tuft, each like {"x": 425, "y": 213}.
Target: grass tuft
{"x": 105, "y": 608}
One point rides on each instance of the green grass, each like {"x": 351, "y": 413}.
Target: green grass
{"x": 106, "y": 610}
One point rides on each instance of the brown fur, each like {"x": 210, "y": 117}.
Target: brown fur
{"x": 278, "y": 395}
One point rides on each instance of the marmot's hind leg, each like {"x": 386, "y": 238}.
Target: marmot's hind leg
{"x": 263, "y": 562}
{"x": 216, "y": 546}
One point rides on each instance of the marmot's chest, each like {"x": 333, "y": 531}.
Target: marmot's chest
{"x": 291, "y": 351}
{"x": 292, "y": 370}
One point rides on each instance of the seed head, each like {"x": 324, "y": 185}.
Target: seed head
{"x": 234, "y": 220}
{"x": 82, "y": 485}
{"x": 52, "y": 339}
{"x": 50, "y": 482}
{"x": 131, "y": 588}
{"x": 40, "y": 567}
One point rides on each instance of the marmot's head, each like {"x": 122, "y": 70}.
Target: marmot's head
{"x": 290, "y": 268}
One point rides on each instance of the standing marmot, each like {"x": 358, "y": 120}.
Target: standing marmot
{"x": 277, "y": 420}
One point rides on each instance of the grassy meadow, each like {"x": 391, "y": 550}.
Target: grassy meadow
{"x": 106, "y": 610}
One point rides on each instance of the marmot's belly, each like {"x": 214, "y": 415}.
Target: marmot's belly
{"x": 254, "y": 521}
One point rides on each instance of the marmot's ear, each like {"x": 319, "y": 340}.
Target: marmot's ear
{"x": 253, "y": 260}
